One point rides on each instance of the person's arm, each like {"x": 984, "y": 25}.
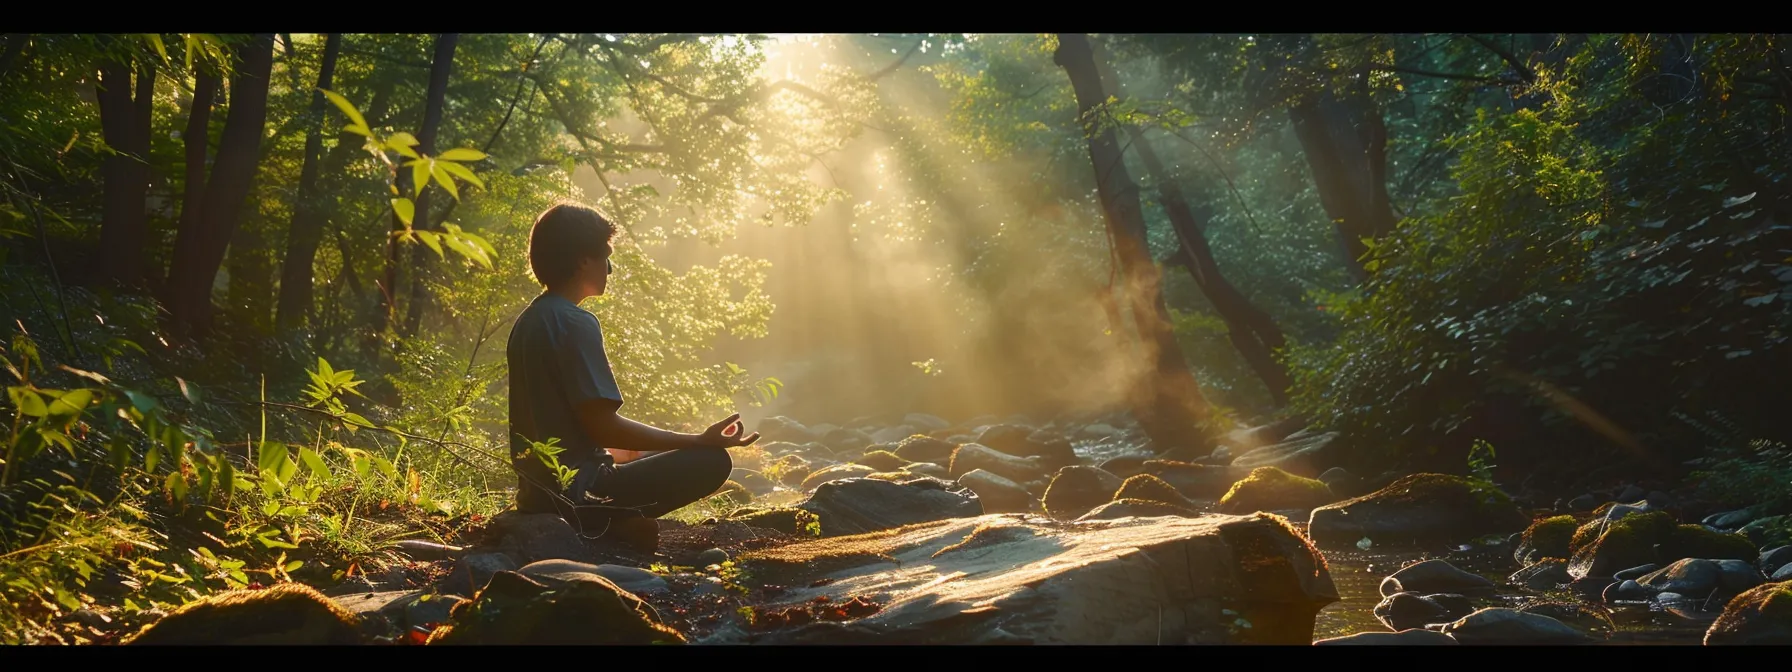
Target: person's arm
{"x": 611, "y": 430}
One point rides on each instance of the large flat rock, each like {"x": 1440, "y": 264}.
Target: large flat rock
{"x": 1021, "y": 578}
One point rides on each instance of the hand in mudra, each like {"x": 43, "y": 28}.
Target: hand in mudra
{"x": 729, "y": 434}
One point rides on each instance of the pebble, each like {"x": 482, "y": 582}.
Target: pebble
{"x": 714, "y": 556}
{"x": 1774, "y": 558}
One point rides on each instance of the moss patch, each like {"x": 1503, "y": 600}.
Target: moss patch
{"x": 1151, "y": 489}
{"x": 785, "y": 564}
{"x": 1547, "y": 538}
{"x": 783, "y": 519}
{"x": 1695, "y": 541}
{"x": 1270, "y": 488}
{"x": 836, "y": 472}
{"x": 1760, "y": 615}
{"x": 882, "y": 460}
{"x": 1129, "y": 508}
{"x": 514, "y": 609}
{"x": 1627, "y": 542}
{"x": 289, "y": 613}
{"x": 1076, "y": 490}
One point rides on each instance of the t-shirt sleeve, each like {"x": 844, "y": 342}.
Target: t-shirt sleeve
{"x": 584, "y": 367}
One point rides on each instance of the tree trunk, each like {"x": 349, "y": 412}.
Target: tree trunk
{"x": 1345, "y": 143}
{"x": 125, "y": 120}
{"x": 439, "y": 70}
{"x": 199, "y": 250}
{"x": 195, "y": 141}
{"x": 1169, "y": 401}
{"x": 308, "y": 216}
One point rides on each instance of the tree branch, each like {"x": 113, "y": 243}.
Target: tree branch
{"x": 1490, "y": 79}
{"x": 880, "y": 74}
{"x": 1524, "y": 70}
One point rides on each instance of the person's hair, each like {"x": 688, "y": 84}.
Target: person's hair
{"x": 564, "y": 235}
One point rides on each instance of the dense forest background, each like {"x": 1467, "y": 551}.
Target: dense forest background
{"x": 257, "y": 286}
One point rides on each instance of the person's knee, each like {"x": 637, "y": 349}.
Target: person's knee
{"x": 717, "y": 465}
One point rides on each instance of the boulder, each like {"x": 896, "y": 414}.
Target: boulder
{"x": 472, "y": 571}
{"x": 927, "y": 469}
{"x": 999, "y": 495}
{"x": 1627, "y": 590}
{"x": 926, "y": 423}
{"x": 920, "y": 448}
{"x": 285, "y": 614}
{"x": 1593, "y": 620}
{"x": 1543, "y": 575}
{"x": 1691, "y": 576}
{"x": 977, "y": 456}
{"x": 587, "y": 609}
{"x": 1007, "y": 438}
{"x": 779, "y": 428}
{"x": 1028, "y": 579}
{"x": 1605, "y": 545}
{"x": 1772, "y": 560}
{"x": 892, "y": 434}
{"x": 1197, "y": 481}
{"x": 1020, "y": 441}
{"x": 1136, "y": 508}
{"x": 834, "y": 473}
{"x": 559, "y": 573}
{"x": 1402, "y": 611}
{"x": 1498, "y": 625}
{"x": 1546, "y": 538}
{"x": 1761, "y": 615}
{"x": 1782, "y": 574}
{"x": 1125, "y": 466}
{"x": 1152, "y": 489}
{"x": 790, "y": 470}
{"x": 1077, "y": 490}
{"x": 1736, "y": 576}
{"x": 1418, "y": 508}
{"x": 1307, "y": 456}
{"x": 1769, "y": 531}
{"x": 1342, "y": 483}
{"x": 1414, "y": 637}
{"x": 1272, "y": 489}
{"x": 1635, "y": 573}
{"x": 1434, "y": 576}
{"x": 755, "y": 482}
{"x": 527, "y": 537}
{"x": 788, "y": 520}
{"x": 860, "y": 505}
{"x": 882, "y": 460}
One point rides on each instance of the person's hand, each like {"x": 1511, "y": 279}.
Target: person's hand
{"x": 728, "y": 434}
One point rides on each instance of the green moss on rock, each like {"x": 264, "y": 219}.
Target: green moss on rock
{"x": 1271, "y": 488}
{"x": 1761, "y": 615}
{"x": 288, "y": 613}
{"x": 1624, "y": 543}
{"x": 783, "y": 519}
{"x": 1151, "y": 489}
{"x": 1547, "y": 538}
{"x": 1419, "y": 507}
{"x": 1696, "y": 541}
{"x": 882, "y": 460}
{"x": 514, "y": 609}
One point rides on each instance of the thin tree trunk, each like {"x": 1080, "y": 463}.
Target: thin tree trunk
{"x": 199, "y": 250}
{"x": 1168, "y": 399}
{"x": 195, "y": 141}
{"x": 125, "y": 121}
{"x": 307, "y": 227}
{"x": 439, "y": 69}
{"x": 432, "y": 115}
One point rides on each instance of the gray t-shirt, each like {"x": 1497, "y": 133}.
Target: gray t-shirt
{"x": 557, "y": 361}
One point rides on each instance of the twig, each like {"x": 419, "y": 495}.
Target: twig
{"x": 1524, "y": 70}
{"x": 880, "y": 74}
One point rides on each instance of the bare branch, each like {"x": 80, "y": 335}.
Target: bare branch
{"x": 1523, "y": 69}
{"x": 880, "y": 74}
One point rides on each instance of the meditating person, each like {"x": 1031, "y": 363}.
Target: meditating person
{"x": 562, "y": 388}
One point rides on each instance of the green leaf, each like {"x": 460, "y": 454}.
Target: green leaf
{"x": 156, "y": 41}
{"x": 71, "y": 404}
{"x": 188, "y": 390}
{"x": 292, "y": 566}
{"x": 462, "y": 154}
{"x": 419, "y": 175}
{"x": 356, "y": 419}
{"x": 433, "y": 240}
{"x": 461, "y": 172}
{"x": 401, "y": 139}
{"x": 359, "y": 124}
{"x": 286, "y": 469}
{"x": 314, "y": 462}
{"x": 462, "y": 248}
{"x": 269, "y": 457}
{"x": 152, "y": 457}
{"x": 384, "y": 465}
{"x": 27, "y": 401}
{"x": 444, "y": 179}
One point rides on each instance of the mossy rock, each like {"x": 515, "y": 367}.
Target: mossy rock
{"x": 788, "y": 520}
{"x": 515, "y": 610}
{"x": 735, "y": 492}
{"x": 285, "y": 614}
{"x": 1600, "y": 547}
{"x": 1419, "y": 508}
{"x": 923, "y": 448}
{"x": 1270, "y": 489}
{"x": 791, "y": 470}
{"x": 1761, "y": 615}
{"x": 1696, "y": 541}
{"x": 1136, "y": 508}
{"x": 835, "y": 473}
{"x": 1152, "y": 489}
{"x": 1196, "y": 481}
{"x": 1077, "y": 490}
{"x": 882, "y": 460}
{"x": 891, "y": 476}
{"x": 1546, "y": 538}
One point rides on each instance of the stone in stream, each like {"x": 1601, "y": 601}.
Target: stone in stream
{"x": 1769, "y": 531}
{"x": 1020, "y": 441}
{"x": 285, "y": 614}
{"x": 755, "y": 482}
{"x": 1434, "y": 576}
{"x": 1783, "y": 573}
{"x": 892, "y": 434}
{"x": 1605, "y": 545}
{"x": 1402, "y": 611}
{"x": 1498, "y": 625}
{"x": 926, "y": 422}
{"x": 586, "y": 609}
{"x": 1029, "y": 579}
{"x": 1593, "y": 620}
{"x": 788, "y": 520}
{"x": 1583, "y": 503}
{"x": 1152, "y": 489}
{"x": 1634, "y": 573}
{"x": 972, "y": 456}
{"x": 1196, "y": 481}
{"x": 1272, "y": 489}
{"x": 1761, "y": 615}
{"x": 1413, "y": 637}
{"x": 998, "y": 495}
{"x": 1631, "y": 493}
{"x": 859, "y": 505}
{"x": 1691, "y": 576}
{"x": 1125, "y": 466}
{"x": 1546, "y": 538}
{"x": 1729, "y": 520}
{"x": 927, "y": 469}
{"x": 1773, "y": 559}
{"x": 882, "y": 460}
{"x": 1077, "y": 490}
{"x": 1543, "y": 575}
{"x": 1307, "y": 456}
{"x": 1418, "y": 508}
{"x": 1627, "y": 590}
{"x": 835, "y": 473}
{"x": 1136, "y": 508}
{"x": 920, "y": 448}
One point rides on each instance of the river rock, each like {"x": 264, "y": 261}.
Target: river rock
{"x": 892, "y": 434}
{"x": 1402, "y": 611}
{"x": 1635, "y": 573}
{"x": 1761, "y": 615}
{"x": 527, "y": 537}
{"x": 755, "y": 482}
{"x": 1627, "y": 590}
{"x": 1631, "y": 493}
{"x": 1769, "y": 531}
{"x": 1097, "y": 431}
{"x": 1272, "y": 489}
{"x": 472, "y": 571}
{"x": 977, "y": 456}
{"x": 588, "y": 609}
{"x": 1435, "y": 576}
{"x": 1152, "y": 489}
{"x": 1604, "y": 545}
{"x": 1028, "y": 579}
{"x": 789, "y": 520}
{"x": 925, "y": 422}
{"x": 1691, "y": 576}
{"x": 1420, "y": 507}
{"x": 1020, "y": 441}
{"x": 1136, "y": 508}
{"x": 1773, "y": 559}
{"x": 1341, "y": 482}
{"x": 1736, "y": 576}
{"x": 780, "y": 428}
{"x": 1413, "y": 637}
{"x": 1077, "y": 490}
{"x": 559, "y": 573}
{"x": 882, "y": 460}
{"x": 1546, "y": 538}
{"x": 285, "y": 614}
{"x": 928, "y": 469}
{"x": 859, "y": 505}
{"x": 1307, "y": 457}
{"x": 1593, "y": 620}
{"x": 925, "y": 449}
{"x": 1125, "y": 466}
{"x": 1196, "y": 481}
{"x": 999, "y": 495}
{"x": 1543, "y": 575}
{"x": 1729, "y": 520}
{"x": 1583, "y": 503}
{"x": 1498, "y": 625}
{"x": 835, "y": 473}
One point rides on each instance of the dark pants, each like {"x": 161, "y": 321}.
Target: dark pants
{"x": 655, "y": 485}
